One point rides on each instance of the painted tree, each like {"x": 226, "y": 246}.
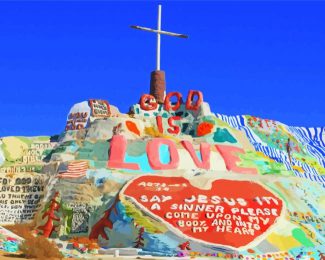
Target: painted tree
{"x": 99, "y": 227}
{"x": 185, "y": 246}
{"x": 49, "y": 226}
{"x": 139, "y": 242}
{"x": 66, "y": 219}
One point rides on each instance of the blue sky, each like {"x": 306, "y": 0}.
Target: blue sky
{"x": 261, "y": 58}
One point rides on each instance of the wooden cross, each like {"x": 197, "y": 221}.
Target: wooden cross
{"x": 158, "y": 31}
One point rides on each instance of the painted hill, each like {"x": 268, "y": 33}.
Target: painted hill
{"x": 170, "y": 179}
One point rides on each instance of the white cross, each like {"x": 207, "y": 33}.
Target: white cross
{"x": 159, "y": 31}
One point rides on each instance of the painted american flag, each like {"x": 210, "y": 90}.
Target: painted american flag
{"x": 76, "y": 169}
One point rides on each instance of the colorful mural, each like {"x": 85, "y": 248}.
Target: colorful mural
{"x": 173, "y": 179}
{"x": 21, "y": 179}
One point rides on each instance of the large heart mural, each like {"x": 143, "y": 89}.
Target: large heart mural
{"x": 229, "y": 213}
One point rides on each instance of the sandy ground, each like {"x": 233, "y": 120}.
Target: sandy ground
{"x": 6, "y": 255}
{"x": 12, "y": 256}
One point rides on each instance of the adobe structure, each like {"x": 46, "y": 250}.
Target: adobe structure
{"x": 172, "y": 179}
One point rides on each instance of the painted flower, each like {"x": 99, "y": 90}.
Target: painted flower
{"x": 132, "y": 127}
{"x": 204, "y": 128}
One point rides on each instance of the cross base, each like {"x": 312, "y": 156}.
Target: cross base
{"x": 158, "y": 85}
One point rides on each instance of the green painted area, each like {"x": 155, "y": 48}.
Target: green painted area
{"x": 263, "y": 164}
{"x": 93, "y": 151}
{"x": 136, "y": 148}
{"x": 222, "y": 135}
{"x": 300, "y": 236}
{"x": 67, "y": 214}
{"x": 46, "y": 153}
{"x": 60, "y": 149}
{"x": 36, "y": 168}
{"x": 43, "y": 138}
{"x": 143, "y": 220}
{"x": 99, "y": 165}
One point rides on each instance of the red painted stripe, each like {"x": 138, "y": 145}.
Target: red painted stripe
{"x": 67, "y": 175}
{"x": 78, "y": 169}
{"x": 79, "y": 166}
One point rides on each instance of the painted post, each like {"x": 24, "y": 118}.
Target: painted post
{"x": 158, "y": 38}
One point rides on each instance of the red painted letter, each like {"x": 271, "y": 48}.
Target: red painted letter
{"x": 205, "y": 154}
{"x": 147, "y": 103}
{"x": 190, "y": 99}
{"x": 167, "y": 103}
{"x": 229, "y": 154}
{"x": 175, "y": 129}
{"x": 153, "y": 154}
{"x": 117, "y": 154}
{"x": 159, "y": 124}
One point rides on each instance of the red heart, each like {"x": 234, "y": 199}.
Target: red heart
{"x": 236, "y": 202}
